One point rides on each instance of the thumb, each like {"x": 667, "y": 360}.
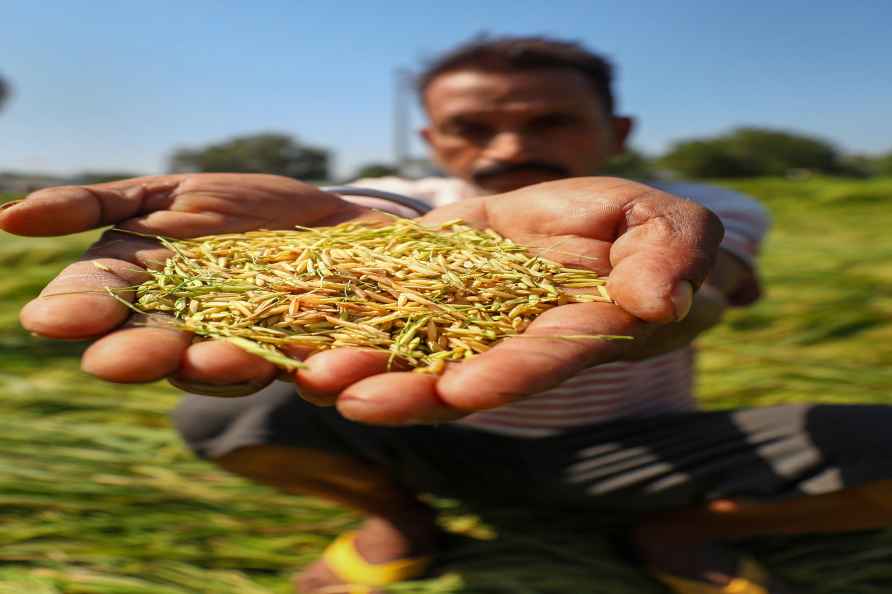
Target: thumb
{"x": 72, "y": 209}
{"x": 661, "y": 257}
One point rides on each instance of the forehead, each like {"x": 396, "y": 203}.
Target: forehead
{"x": 553, "y": 89}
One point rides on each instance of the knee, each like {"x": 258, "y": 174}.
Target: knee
{"x": 200, "y": 421}
{"x": 211, "y": 426}
{"x": 860, "y": 430}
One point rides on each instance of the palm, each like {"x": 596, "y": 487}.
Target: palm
{"x": 175, "y": 205}
{"x": 646, "y": 241}
{"x": 75, "y": 304}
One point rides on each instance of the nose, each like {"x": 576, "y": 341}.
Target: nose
{"x": 507, "y": 147}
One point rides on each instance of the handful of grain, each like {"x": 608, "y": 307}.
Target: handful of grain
{"x": 425, "y": 295}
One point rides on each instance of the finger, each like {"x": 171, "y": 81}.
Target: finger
{"x": 136, "y": 354}
{"x": 402, "y": 398}
{"x": 329, "y": 373}
{"x": 72, "y": 209}
{"x": 572, "y": 251}
{"x": 298, "y": 352}
{"x": 666, "y": 251}
{"x": 170, "y": 223}
{"x": 76, "y": 305}
{"x": 573, "y": 222}
{"x": 216, "y": 203}
{"x": 138, "y": 252}
{"x": 471, "y": 210}
{"x": 556, "y": 244}
{"x": 538, "y": 359}
{"x": 593, "y": 208}
{"x": 219, "y": 368}
{"x": 215, "y": 390}
{"x": 662, "y": 246}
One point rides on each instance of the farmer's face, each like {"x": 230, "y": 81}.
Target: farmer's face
{"x": 505, "y": 130}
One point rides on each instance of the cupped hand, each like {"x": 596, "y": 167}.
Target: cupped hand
{"x": 75, "y": 305}
{"x": 655, "y": 248}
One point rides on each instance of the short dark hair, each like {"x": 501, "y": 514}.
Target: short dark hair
{"x": 509, "y": 53}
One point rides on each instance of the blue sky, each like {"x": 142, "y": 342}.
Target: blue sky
{"x": 118, "y": 85}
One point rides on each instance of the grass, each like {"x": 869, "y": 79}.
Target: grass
{"x": 97, "y": 495}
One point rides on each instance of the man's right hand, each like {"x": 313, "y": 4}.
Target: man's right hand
{"x": 76, "y": 306}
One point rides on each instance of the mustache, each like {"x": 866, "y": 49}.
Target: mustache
{"x": 527, "y": 166}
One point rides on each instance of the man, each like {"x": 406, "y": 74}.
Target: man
{"x": 505, "y": 114}
{"x": 599, "y": 428}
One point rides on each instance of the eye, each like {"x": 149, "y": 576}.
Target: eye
{"x": 551, "y": 121}
{"x": 470, "y": 130}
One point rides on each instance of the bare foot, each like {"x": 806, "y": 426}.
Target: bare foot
{"x": 378, "y": 540}
{"x": 704, "y": 561}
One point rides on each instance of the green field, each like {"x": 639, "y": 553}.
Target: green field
{"x": 97, "y": 495}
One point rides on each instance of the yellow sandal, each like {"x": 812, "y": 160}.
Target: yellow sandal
{"x": 345, "y": 562}
{"x": 751, "y": 578}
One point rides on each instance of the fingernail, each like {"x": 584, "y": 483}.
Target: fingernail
{"x": 682, "y": 299}
{"x": 216, "y": 390}
{"x": 356, "y": 409}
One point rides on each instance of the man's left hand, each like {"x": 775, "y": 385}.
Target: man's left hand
{"x": 656, "y": 249}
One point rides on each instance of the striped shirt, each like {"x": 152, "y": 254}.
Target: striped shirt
{"x": 658, "y": 385}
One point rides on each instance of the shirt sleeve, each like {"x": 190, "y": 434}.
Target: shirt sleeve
{"x": 386, "y": 184}
{"x": 746, "y": 223}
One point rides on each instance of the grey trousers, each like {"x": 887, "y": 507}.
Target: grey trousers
{"x": 631, "y": 465}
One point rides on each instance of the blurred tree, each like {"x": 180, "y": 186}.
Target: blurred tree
{"x": 883, "y": 165}
{"x": 860, "y": 165}
{"x": 632, "y": 164}
{"x": 5, "y": 91}
{"x": 98, "y": 177}
{"x": 274, "y": 153}
{"x": 705, "y": 158}
{"x": 376, "y": 170}
{"x": 872, "y": 165}
{"x": 749, "y": 152}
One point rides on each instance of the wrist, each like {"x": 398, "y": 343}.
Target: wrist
{"x": 388, "y": 202}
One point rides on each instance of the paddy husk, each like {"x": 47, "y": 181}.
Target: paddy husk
{"x": 427, "y": 296}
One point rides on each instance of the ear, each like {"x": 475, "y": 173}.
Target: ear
{"x": 425, "y": 134}
{"x": 622, "y": 130}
